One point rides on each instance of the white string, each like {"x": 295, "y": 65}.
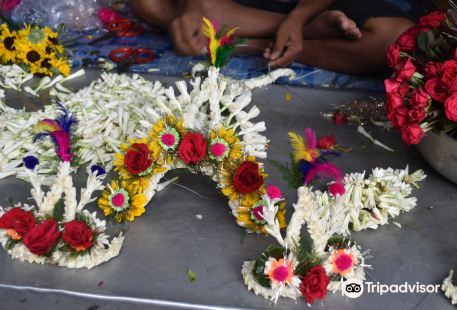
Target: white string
{"x": 147, "y": 301}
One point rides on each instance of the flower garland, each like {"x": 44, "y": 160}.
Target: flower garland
{"x": 294, "y": 269}
{"x": 58, "y": 230}
{"x": 221, "y": 147}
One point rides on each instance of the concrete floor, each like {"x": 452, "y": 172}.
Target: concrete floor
{"x": 168, "y": 240}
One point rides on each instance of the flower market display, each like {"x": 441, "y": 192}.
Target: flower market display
{"x": 141, "y": 130}
{"x": 422, "y": 94}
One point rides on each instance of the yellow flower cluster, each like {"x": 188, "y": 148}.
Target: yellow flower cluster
{"x": 37, "y": 50}
{"x": 168, "y": 145}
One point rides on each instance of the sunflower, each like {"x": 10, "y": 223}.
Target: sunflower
{"x": 123, "y": 202}
{"x": 60, "y": 65}
{"x": 224, "y": 145}
{"x": 226, "y": 181}
{"x": 165, "y": 137}
{"x": 8, "y": 40}
{"x": 31, "y": 55}
{"x": 250, "y": 217}
{"x": 139, "y": 179}
{"x": 35, "y": 36}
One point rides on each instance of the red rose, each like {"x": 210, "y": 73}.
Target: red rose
{"x": 417, "y": 114}
{"x": 455, "y": 53}
{"x": 314, "y": 284}
{"x": 435, "y": 90}
{"x": 247, "y": 178}
{"x": 406, "y": 71}
{"x": 450, "y": 107}
{"x": 412, "y": 133}
{"x": 392, "y": 55}
{"x": 78, "y": 235}
{"x": 192, "y": 148}
{"x": 394, "y": 86}
{"x": 339, "y": 118}
{"x": 407, "y": 41}
{"x": 40, "y": 239}
{"x": 137, "y": 159}
{"x": 434, "y": 19}
{"x": 326, "y": 142}
{"x": 449, "y": 75}
{"x": 393, "y": 102}
{"x": 419, "y": 98}
{"x": 399, "y": 117}
{"x": 18, "y": 222}
{"x": 432, "y": 69}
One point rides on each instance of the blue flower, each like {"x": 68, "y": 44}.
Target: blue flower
{"x": 97, "y": 170}
{"x": 30, "y": 162}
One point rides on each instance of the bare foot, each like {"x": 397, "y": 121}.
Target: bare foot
{"x": 330, "y": 24}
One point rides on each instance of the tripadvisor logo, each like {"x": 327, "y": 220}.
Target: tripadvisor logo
{"x": 354, "y": 288}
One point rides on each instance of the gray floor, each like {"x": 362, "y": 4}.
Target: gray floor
{"x": 168, "y": 240}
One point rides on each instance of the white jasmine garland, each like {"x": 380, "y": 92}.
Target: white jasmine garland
{"x": 101, "y": 250}
{"x": 117, "y": 107}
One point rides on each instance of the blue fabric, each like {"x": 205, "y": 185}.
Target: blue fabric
{"x": 240, "y": 67}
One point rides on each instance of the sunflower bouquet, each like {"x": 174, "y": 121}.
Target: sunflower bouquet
{"x": 35, "y": 49}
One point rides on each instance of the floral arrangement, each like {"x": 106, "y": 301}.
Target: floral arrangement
{"x": 371, "y": 200}
{"x": 36, "y": 50}
{"x": 449, "y": 289}
{"x": 58, "y": 230}
{"x": 218, "y": 146}
{"x": 422, "y": 94}
{"x": 294, "y": 269}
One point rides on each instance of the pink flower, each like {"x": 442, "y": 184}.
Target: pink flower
{"x": 406, "y": 71}
{"x": 337, "y": 189}
{"x": 107, "y": 15}
{"x": 9, "y": 5}
{"x": 274, "y": 192}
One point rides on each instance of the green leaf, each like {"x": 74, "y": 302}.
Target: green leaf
{"x": 290, "y": 174}
{"x": 259, "y": 266}
{"x": 59, "y": 210}
{"x": 422, "y": 41}
{"x": 192, "y": 276}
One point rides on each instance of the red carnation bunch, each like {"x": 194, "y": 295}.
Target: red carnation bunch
{"x": 422, "y": 93}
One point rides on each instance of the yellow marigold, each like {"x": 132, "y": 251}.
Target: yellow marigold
{"x": 165, "y": 137}
{"x": 122, "y": 202}
{"x": 251, "y": 219}
{"x": 8, "y": 40}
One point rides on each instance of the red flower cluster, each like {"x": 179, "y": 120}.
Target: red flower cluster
{"x": 41, "y": 238}
{"x": 422, "y": 94}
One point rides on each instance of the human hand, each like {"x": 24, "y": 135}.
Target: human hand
{"x": 288, "y": 43}
{"x": 185, "y": 30}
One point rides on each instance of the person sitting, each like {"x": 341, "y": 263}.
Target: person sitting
{"x": 349, "y": 36}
